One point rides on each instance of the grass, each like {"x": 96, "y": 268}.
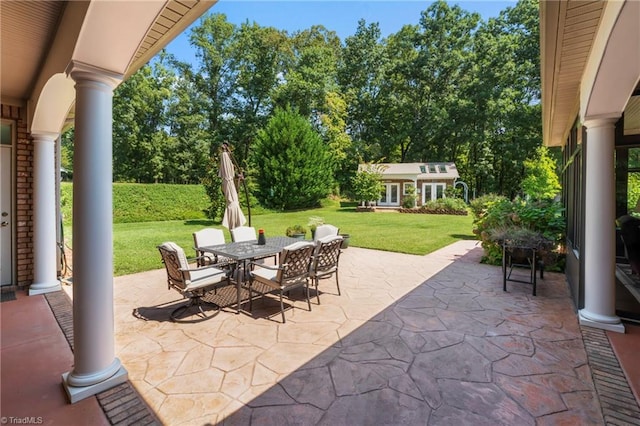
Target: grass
{"x": 143, "y": 220}
{"x": 135, "y": 243}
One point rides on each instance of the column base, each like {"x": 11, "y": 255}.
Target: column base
{"x": 598, "y": 321}
{"x": 42, "y": 288}
{"x": 78, "y": 393}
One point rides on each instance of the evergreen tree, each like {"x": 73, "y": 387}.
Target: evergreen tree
{"x": 292, "y": 166}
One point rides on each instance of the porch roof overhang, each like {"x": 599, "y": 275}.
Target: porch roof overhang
{"x": 41, "y": 40}
{"x": 579, "y": 43}
{"x": 567, "y": 33}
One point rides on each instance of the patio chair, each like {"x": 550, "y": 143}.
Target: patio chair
{"x": 210, "y": 237}
{"x": 290, "y": 273}
{"x": 248, "y": 233}
{"x": 630, "y": 233}
{"x": 325, "y": 230}
{"x": 325, "y": 261}
{"x": 191, "y": 283}
{"x": 243, "y": 233}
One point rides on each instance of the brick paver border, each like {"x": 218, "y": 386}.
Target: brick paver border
{"x": 619, "y": 406}
{"x": 122, "y": 405}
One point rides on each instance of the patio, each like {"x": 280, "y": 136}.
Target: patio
{"x": 412, "y": 340}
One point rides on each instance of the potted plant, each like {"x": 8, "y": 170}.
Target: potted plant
{"x": 314, "y": 222}
{"x": 520, "y": 241}
{"x": 296, "y": 231}
{"x": 345, "y": 240}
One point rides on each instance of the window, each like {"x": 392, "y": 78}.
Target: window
{"x": 442, "y": 168}
{"x": 573, "y": 189}
{"x": 423, "y": 169}
{"x": 432, "y": 168}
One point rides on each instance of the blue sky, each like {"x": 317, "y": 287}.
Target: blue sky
{"x": 339, "y": 16}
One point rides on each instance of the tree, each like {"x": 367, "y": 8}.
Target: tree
{"x": 541, "y": 180}
{"x": 359, "y": 76}
{"x": 258, "y": 53}
{"x": 139, "y": 126}
{"x": 310, "y": 73}
{"x": 215, "y": 77}
{"x": 367, "y": 184}
{"x": 293, "y": 168}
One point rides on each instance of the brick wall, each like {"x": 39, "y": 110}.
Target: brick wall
{"x": 23, "y": 196}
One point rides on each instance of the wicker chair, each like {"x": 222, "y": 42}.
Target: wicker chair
{"x": 291, "y": 272}
{"x": 191, "y": 283}
{"x": 325, "y": 261}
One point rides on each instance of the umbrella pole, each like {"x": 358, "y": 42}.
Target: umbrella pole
{"x": 246, "y": 194}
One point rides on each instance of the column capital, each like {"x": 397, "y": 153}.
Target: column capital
{"x": 79, "y": 71}
{"x": 44, "y": 136}
{"x": 606, "y": 120}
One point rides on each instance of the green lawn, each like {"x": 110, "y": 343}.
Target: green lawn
{"x": 135, "y": 243}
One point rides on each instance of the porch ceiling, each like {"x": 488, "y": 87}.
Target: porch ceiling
{"x": 29, "y": 28}
{"x": 573, "y": 35}
{"x": 567, "y": 33}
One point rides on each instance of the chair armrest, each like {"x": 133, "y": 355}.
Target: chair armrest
{"x": 263, "y": 266}
{"x": 202, "y": 268}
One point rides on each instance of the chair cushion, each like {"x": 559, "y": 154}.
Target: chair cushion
{"x": 263, "y": 274}
{"x": 182, "y": 258}
{"x": 298, "y": 244}
{"x": 205, "y": 277}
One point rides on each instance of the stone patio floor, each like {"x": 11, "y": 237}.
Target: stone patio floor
{"x": 413, "y": 340}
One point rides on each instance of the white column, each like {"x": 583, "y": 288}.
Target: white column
{"x": 95, "y": 366}
{"x": 599, "y": 249}
{"x": 45, "y": 278}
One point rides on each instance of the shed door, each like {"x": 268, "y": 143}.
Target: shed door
{"x": 390, "y": 195}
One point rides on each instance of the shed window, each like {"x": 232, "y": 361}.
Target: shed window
{"x": 432, "y": 168}
{"x": 443, "y": 168}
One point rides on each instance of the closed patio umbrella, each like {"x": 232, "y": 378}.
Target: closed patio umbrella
{"x": 233, "y": 216}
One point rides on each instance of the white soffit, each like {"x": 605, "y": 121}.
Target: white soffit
{"x": 570, "y": 29}
{"x": 25, "y": 33}
{"x": 114, "y": 30}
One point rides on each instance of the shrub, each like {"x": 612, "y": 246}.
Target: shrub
{"x": 451, "y": 206}
{"x": 409, "y": 199}
{"x": 446, "y": 205}
{"x": 495, "y": 216}
{"x": 295, "y": 230}
{"x": 135, "y": 202}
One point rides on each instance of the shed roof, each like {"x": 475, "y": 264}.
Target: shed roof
{"x": 440, "y": 170}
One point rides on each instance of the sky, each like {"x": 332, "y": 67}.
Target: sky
{"x": 341, "y": 16}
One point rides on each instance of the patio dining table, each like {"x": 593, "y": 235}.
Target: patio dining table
{"x": 243, "y": 252}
